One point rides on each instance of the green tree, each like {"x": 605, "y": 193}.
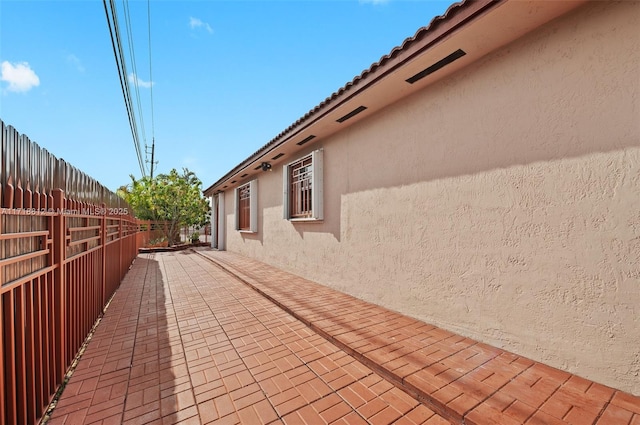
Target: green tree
{"x": 173, "y": 198}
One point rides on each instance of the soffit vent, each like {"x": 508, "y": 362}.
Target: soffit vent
{"x": 244, "y": 175}
{"x": 305, "y": 140}
{"x": 258, "y": 167}
{"x": 233, "y": 181}
{"x": 436, "y": 66}
{"x": 351, "y": 114}
{"x": 280, "y": 155}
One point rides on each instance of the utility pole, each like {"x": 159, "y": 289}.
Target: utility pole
{"x": 153, "y": 151}
{"x": 153, "y": 155}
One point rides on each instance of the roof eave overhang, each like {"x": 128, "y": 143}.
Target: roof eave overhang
{"x": 474, "y": 27}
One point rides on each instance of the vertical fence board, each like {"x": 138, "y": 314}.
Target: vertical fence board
{"x": 10, "y": 362}
{"x": 21, "y": 366}
{"x": 3, "y": 390}
{"x": 30, "y": 360}
{"x": 49, "y": 337}
{"x": 38, "y": 383}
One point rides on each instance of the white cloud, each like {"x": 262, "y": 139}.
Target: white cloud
{"x": 133, "y": 79}
{"x": 75, "y": 61}
{"x": 20, "y": 76}
{"x": 195, "y": 23}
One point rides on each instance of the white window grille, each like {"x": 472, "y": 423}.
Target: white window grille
{"x": 303, "y": 191}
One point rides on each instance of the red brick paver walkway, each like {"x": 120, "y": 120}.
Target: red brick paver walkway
{"x": 461, "y": 379}
{"x": 230, "y": 340}
{"x": 185, "y": 342}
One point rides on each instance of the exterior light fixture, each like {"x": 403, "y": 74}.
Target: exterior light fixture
{"x": 265, "y": 166}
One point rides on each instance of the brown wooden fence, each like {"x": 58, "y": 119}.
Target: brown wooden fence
{"x": 66, "y": 242}
{"x": 152, "y": 233}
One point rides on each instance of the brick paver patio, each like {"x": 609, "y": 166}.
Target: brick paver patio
{"x": 214, "y": 337}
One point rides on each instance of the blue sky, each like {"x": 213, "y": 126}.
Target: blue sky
{"x": 228, "y": 76}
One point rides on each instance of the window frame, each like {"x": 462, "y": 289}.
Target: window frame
{"x": 308, "y": 190}
{"x": 251, "y": 209}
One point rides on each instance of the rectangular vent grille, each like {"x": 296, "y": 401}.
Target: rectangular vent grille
{"x": 436, "y": 66}
{"x": 305, "y": 140}
{"x": 233, "y": 181}
{"x": 280, "y": 155}
{"x": 244, "y": 175}
{"x": 258, "y": 167}
{"x": 351, "y": 114}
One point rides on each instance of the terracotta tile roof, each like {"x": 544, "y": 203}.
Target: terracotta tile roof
{"x": 456, "y": 13}
{"x": 450, "y": 13}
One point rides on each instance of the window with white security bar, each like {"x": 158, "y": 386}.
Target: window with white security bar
{"x": 246, "y": 211}
{"x": 303, "y": 190}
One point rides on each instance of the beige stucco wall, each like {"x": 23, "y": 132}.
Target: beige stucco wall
{"x": 502, "y": 203}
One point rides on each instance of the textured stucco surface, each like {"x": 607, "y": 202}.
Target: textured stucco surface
{"x": 502, "y": 203}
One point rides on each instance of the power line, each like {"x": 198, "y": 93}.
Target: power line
{"x": 153, "y": 130}
{"x": 132, "y": 56}
{"x": 114, "y": 32}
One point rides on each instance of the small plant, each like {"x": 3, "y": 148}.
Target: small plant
{"x": 195, "y": 237}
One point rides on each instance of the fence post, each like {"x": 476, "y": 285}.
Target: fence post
{"x": 3, "y": 380}
{"x": 59, "y": 248}
{"x": 120, "y": 253}
{"x": 103, "y": 242}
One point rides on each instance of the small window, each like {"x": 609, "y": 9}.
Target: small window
{"x": 246, "y": 200}
{"x": 303, "y": 191}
